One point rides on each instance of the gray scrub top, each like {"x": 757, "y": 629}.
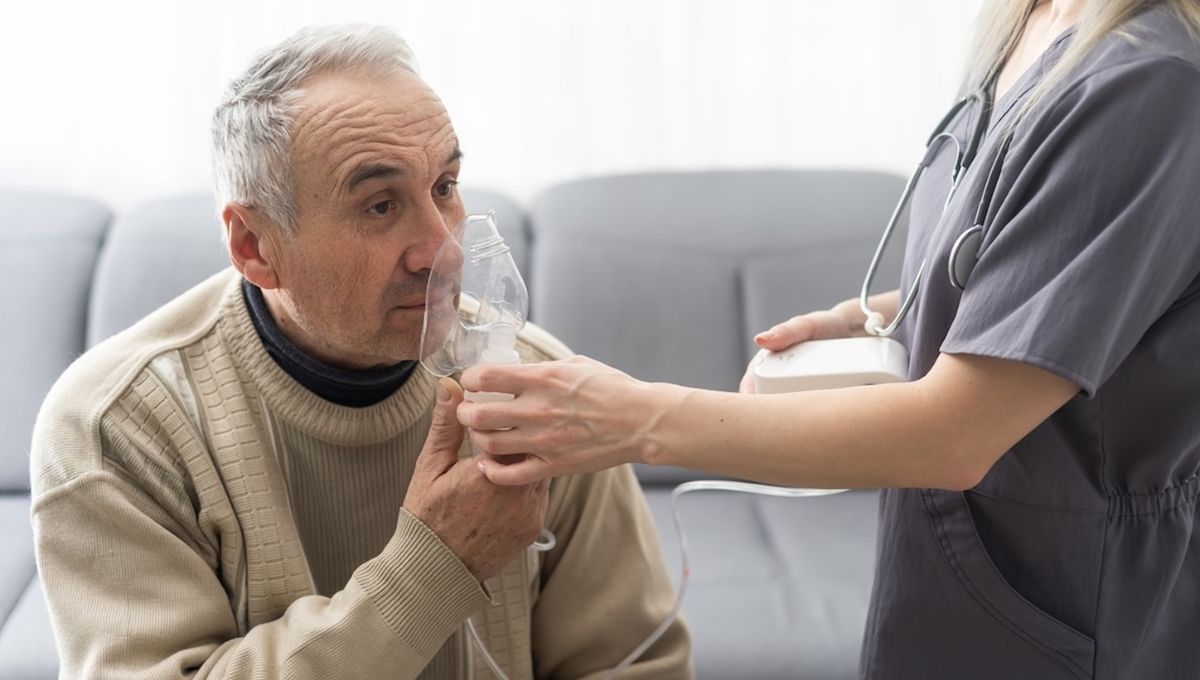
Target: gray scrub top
{"x": 1078, "y": 555}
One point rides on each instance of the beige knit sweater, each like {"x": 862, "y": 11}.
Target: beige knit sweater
{"x": 199, "y": 514}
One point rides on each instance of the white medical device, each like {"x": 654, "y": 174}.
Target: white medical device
{"x": 828, "y": 364}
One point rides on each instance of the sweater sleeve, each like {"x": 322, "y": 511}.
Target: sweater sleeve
{"x": 131, "y": 597}
{"x": 605, "y": 586}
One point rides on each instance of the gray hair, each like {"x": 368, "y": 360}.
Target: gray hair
{"x": 252, "y": 126}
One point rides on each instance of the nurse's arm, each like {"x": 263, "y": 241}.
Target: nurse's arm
{"x": 945, "y": 430}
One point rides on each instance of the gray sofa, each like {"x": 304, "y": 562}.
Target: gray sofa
{"x": 666, "y": 276}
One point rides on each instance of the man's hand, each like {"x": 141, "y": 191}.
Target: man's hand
{"x": 485, "y": 525}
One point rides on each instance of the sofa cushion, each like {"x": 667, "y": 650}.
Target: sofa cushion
{"x": 27, "y": 650}
{"x": 16, "y": 559}
{"x": 779, "y": 586}
{"x": 48, "y": 246}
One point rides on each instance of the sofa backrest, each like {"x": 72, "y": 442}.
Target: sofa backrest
{"x": 154, "y": 252}
{"x": 48, "y": 248}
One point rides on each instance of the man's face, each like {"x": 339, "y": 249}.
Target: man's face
{"x": 376, "y": 163}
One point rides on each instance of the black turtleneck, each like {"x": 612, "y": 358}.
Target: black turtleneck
{"x": 340, "y": 386}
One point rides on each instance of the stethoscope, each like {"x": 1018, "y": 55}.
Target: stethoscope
{"x": 965, "y": 252}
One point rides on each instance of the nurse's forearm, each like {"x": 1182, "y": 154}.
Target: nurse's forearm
{"x": 944, "y": 431}
{"x": 848, "y": 438}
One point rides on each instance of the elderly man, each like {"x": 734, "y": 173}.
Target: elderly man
{"x": 255, "y": 481}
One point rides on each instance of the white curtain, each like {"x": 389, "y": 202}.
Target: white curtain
{"x": 112, "y": 99}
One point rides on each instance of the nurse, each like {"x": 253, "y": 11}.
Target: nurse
{"x": 1041, "y": 466}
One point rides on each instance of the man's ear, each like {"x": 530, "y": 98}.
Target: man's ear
{"x": 248, "y": 237}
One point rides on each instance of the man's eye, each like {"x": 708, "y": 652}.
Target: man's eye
{"x": 446, "y": 189}
{"x": 382, "y": 208}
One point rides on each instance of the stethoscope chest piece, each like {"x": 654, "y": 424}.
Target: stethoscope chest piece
{"x": 964, "y": 255}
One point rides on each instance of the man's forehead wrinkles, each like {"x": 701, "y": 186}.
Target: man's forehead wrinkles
{"x": 387, "y": 127}
{"x": 314, "y": 117}
{"x": 444, "y": 143}
{"x": 325, "y": 110}
{"x": 345, "y": 128}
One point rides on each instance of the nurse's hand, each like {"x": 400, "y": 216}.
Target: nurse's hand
{"x": 843, "y": 321}
{"x": 569, "y": 416}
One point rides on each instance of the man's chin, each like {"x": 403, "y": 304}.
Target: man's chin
{"x": 399, "y": 342}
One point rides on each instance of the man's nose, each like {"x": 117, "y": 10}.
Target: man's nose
{"x": 433, "y": 231}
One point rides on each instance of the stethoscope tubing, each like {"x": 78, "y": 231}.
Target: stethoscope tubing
{"x": 966, "y": 247}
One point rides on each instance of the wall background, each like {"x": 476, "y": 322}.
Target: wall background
{"x": 113, "y": 99}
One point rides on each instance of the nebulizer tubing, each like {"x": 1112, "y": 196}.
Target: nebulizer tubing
{"x": 475, "y": 305}
{"x": 685, "y": 569}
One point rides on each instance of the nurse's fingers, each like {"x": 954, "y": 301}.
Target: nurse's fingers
{"x": 823, "y": 325}
{"x": 505, "y": 378}
{"x": 531, "y": 469}
{"x": 491, "y": 415}
{"x": 499, "y": 442}
{"x": 781, "y": 336}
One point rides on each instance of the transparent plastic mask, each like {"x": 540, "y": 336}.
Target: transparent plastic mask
{"x": 476, "y": 301}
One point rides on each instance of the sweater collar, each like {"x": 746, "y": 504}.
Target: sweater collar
{"x": 288, "y": 398}
{"x": 340, "y": 386}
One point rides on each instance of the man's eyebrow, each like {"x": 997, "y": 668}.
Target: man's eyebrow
{"x": 382, "y": 170}
{"x": 371, "y": 171}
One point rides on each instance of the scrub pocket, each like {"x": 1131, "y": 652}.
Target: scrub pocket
{"x": 954, "y": 528}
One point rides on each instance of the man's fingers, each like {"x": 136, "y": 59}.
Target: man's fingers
{"x": 528, "y": 471}
{"x": 445, "y": 434}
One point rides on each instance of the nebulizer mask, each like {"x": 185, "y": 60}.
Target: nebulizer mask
{"x": 476, "y": 302}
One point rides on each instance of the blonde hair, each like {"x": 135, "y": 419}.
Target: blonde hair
{"x": 1001, "y": 22}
